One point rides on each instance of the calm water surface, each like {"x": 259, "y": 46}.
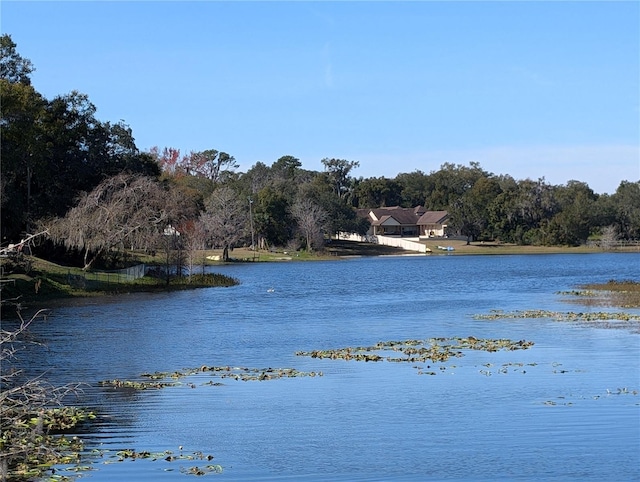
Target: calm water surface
{"x": 552, "y": 412}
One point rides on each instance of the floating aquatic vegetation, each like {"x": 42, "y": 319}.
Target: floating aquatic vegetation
{"x": 619, "y": 293}
{"x": 224, "y": 372}
{"x": 41, "y": 435}
{"x": 167, "y": 455}
{"x": 552, "y": 403}
{"x": 488, "y": 369}
{"x": 112, "y": 457}
{"x": 578, "y": 293}
{"x": 136, "y": 385}
{"x": 620, "y": 391}
{"x": 162, "y": 375}
{"x": 257, "y": 374}
{"x": 56, "y": 420}
{"x": 514, "y": 367}
{"x": 207, "y": 469}
{"x": 622, "y": 294}
{"x": 432, "y": 349}
{"x": 559, "y": 316}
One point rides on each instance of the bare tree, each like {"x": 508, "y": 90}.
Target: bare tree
{"x": 122, "y": 210}
{"x": 311, "y": 220}
{"x": 609, "y": 238}
{"x": 168, "y": 159}
{"x": 193, "y": 238}
{"x": 24, "y": 401}
{"x": 225, "y": 219}
{"x": 179, "y": 209}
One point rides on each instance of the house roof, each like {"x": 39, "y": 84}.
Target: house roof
{"x": 402, "y": 216}
{"x": 433, "y": 217}
{"x": 387, "y": 221}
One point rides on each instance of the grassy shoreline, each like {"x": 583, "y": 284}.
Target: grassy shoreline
{"x": 339, "y": 249}
{"x": 48, "y": 283}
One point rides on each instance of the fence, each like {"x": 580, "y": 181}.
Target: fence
{"x": 625, "y": 244}
{"x": 89, "y": 278}
{"x": 404, "y": 243}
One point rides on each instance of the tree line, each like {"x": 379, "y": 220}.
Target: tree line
{"x": 97, "y": 194}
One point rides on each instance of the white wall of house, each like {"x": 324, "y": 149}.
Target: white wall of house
{"x": 436, "y": 229}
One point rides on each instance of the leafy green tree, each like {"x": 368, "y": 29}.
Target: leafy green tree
{"x": 286, "y": 176}
{"x": 286, "y": 167}
{"x": 210, "y": 163}
{"x": 338, "y": 173}
{"x": 502, "y": 212}
{"x": 21, "y": 151}
{"x": 272, "y": 217}
{"x": 13, "y": 67}
{"x": 415, "y": 187}
{"x": 627, "y": 205}
{"x": 377, "y": 192}
{"x": 451, "y": 182}
{"x": 572, "y": 224}
{"x": 470, "y": 212}
{"x": 340, "y": 217}
{"x": 535, "y": 205}
{"x": 120, "y": 154}
{"x": 258, "y": 177}
{"x": 604, "y": 213}
{"x": 80, "y": 152}
{"x": 51, "y": 151}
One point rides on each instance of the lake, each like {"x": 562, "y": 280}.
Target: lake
{"x": 566, "y": 408}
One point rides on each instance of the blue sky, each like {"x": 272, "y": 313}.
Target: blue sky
{"x": 531, "y": 89}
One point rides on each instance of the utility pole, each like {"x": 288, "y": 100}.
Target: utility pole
{"x": 253, "y": 239}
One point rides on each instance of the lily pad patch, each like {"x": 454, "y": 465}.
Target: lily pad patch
{"x": 416, "y": 351}
{"x": 158, "y": 380}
